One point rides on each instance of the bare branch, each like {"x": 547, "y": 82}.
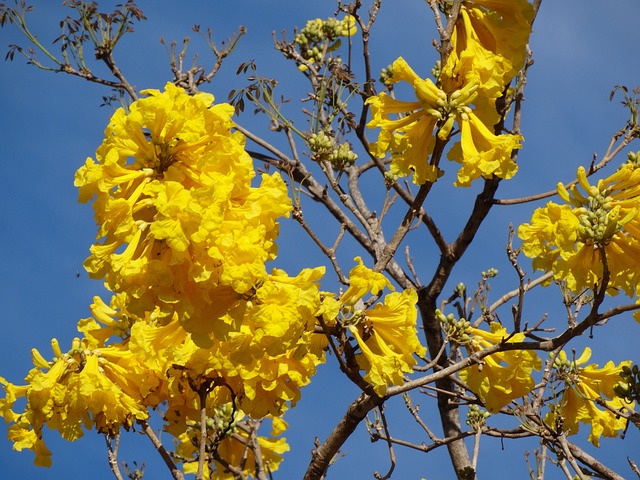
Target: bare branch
{"x": 322, "y": 456}
{"x": 176, "y": 473}
{"x": 112, "y": 453}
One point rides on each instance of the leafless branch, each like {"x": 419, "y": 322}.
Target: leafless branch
{"x": 112, "y": 453}
{"x": 148, "y": 431}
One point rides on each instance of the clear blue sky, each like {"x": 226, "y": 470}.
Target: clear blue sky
{"x": 51, "y": 122}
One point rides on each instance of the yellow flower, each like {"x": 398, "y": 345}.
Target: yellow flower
{"x": 569, "y": 240}
{"x": 24, "y": 438}
{"x": 363, "y": 280}
{"x": 349, "y": 26}
{"x": 489, "y": 47}
{"x": 503, "y": 376}
{"x": 83, "y": 388}
{"x": 107, "y": 321}
{"x": 179, "y": 218}
{"x": 583, "y": 385}
{"x": 184, "y": 237}
{"x": 388, "y": 340}
{"x": 386, "y": 333}
{"x": 412, "y": 137}
{"x": 483, "y": 154}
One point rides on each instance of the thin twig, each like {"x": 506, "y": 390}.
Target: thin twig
{"x": 514, "y": 293}
{"x": 392, "y": 455}
{"x": 414, "y": 412}
{"x": 202, "y": 454}
{"x": 476, "y": 448}
{"x": 112, "y": 454}
{"x": 634, "y": 467}
{"x": 148, "y": 431}
{"x": 564, "y": 445}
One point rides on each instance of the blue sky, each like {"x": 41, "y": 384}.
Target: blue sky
{"x": 51, "y": 122}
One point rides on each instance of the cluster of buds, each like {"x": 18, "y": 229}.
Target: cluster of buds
{"x": 567, "y": 369}
{"x": 390, "y": 178}
{"x": 563, "y": 364}
{"x": 320, "y": 144}
{"x": 454, "y": 106}
{"x": 476, "y": 417}
{"x": 634, "y": 159}
{"x": 386, "y": 75}
{"x": 598, "y": 212}
{"x": 437, "y": 69}
{"x": 74, "y": 357}
{"x": 447, "y": 108}
{"x": 491, "y": 273}
{"x": 225, "y": 419}
{"x": 342, "y": 156}
{"x": 456, "y": 330}
{"x": 598, "y": 223}
{"x": 321, "y": 36}
{"x": 629, "y": 387}
{"x": 323, "y": 147}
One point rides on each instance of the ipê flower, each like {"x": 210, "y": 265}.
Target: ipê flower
{"x": 180, "y": 222}
{"x": 502, "y": 376}
{"x": 80, "y": 389}
{"x": 411, "y": 138}
{"x": 598, "y": 223}
{"x": 386, "y": 333}
{"x": 489, "y": 43}
{"x": 583, "y": 386}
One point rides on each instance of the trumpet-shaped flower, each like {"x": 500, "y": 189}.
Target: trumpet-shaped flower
{"x": 600, "y": 226}
{"x": 386, "y": 333}
{"x": 502, "y": 376}
{"x": 388, "y": 341}
{"x": 488, "y": 47}
{"x": 83, "y": 388}
{"x": 412, "y": 137}
{"x": 482, "y": 153}
{"x": 178, "y": 215}
{"x": 583, "y": 387}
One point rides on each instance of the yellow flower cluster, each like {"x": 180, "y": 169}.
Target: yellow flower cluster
{"x": 489, "y": 45}
{"x": 583, "y": 386}
{"x": 80, "y": 388}
{"x": 180, "y": 223}
{"x": 600, "y": 223}
{"x": 503, "y": 376}
{"x": 488, "y": 48}
{"x": 386, "y": 333}
{"x": 183, "y": 240}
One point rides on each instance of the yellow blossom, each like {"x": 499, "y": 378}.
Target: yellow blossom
{"x": 386, "y": 333}
{"x": 569, "y": 240}
{"x": 489, "y": 47}
{"x": 363, "y": 280}
{"x": 502, "y": 376}
{"x": 388, "y": 340}
{"x": 177, "y": 211}
{"x": 83, "y": 388}
{"x": 482, "y": 153}
{"x": 412, "y": 137}
{"x": 583, "y": 386}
